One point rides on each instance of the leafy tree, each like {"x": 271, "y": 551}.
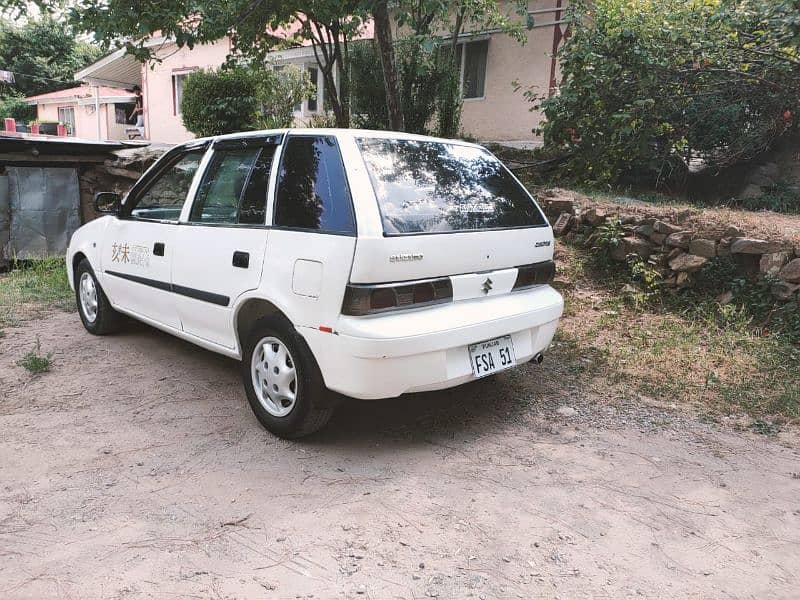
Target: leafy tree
{"x": 15, "y": 106}
{"x": 651, "y": 88}
{"x": 327, "y": 25}
{"x": 43, "y": 54}
{"x": 241, "y": 98}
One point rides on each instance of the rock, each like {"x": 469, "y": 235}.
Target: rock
{"x": 662, "y": 227}
{"x": 553, "y": 207}
{"x": 628, "y": 219}
{"x": 684, "y": 279}
{"x": 769, "y": 169}
{"x": 744, "y": 245}
{"x": 634, "y": 245}
{"x": 645, "y": 229}
{"x": 783, "y": 290}
{"x": 562, "y": 224}
{"x": 733, "y": 231}
{"x": 791, "y": 272}
{"x": 723, "y": 250}
{"x": 751, "y": 191}
{"x": 658, "y": 238}
{"x": 679, "y": 239}
{"x": 687, "y": 262}
{"x": 703, "y": 247}
{"x": 771, "y": 264}
{"x": 594, "y": 217}
{"x": 673, "y": 253}
{"x": 725, "y": 297}
{"x": 566, "y": 411}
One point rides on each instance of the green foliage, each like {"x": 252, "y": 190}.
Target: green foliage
{"x": 608, "y": 237}
{"x": 14, "y": 106}
{"x": 35, "y": 362}
{"x": 647, "y": 278}
{"x": 220, "y": 101}
{"x": 651, "y": 86}
{"x": 42, "y": 53}
{"x": 425, "y": 78}
{"x": 278, "y": 92}
{"x": 241, "y": 98}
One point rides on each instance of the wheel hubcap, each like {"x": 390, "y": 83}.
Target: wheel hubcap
{"x": 274, "y": 377}
{"x": 88, "y": 294}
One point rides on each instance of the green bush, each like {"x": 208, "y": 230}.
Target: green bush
{"x": 15, "y": 107}
{"x": 241, "y": 98}
{"x": 220, "y": 101}
{"x": 650, "y": 87}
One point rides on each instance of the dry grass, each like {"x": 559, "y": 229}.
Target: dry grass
{"x": 675, "y": 354}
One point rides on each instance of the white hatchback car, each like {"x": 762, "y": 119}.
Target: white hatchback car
{"x": 360, "y": 262}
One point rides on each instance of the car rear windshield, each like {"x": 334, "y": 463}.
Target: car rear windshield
{"x": 436, "y": 187}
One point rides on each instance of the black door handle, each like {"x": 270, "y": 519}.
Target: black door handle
{"x": 241, "y": 259}
{"x": 158, "y": 249}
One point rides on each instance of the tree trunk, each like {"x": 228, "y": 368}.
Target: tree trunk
{"x": 391, "y": 80}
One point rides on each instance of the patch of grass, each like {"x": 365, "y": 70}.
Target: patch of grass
{"x": 33, "y": 287}
{"x": 684, "y": 348}
{"x": 35, "y": 362}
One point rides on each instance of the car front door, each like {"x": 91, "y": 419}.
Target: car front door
{"x": 220, "y": 244}
{"x": 139, "y": 245}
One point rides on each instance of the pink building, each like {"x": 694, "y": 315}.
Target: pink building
{"x": 88, "y": 112}
{"x": 491, "y": 62}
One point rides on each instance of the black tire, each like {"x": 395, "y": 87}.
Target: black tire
{"x": 314, "y": 403}
{"x": 107, "y": 320}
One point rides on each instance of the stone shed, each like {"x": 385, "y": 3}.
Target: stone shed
{"x": 46, "y": 191}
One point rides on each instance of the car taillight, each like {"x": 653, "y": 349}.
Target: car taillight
{"x": 535, "y": 274}
{"x": 369, "y": 299}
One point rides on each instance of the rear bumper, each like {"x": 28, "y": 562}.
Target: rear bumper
{"x": 427, "y": 349}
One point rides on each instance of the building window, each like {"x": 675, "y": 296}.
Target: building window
{"x": 177, "y": 91}
{"x": 66, "y": 115}
{"x": 472, "y": 58}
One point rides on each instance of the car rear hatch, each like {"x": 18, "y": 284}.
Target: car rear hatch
{"x": 452, "y": 214}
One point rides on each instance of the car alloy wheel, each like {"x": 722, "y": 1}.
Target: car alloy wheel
{"x": 88, "y": 296}
{"x": 274, "y": 376}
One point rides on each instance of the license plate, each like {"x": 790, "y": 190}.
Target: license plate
{"x": 492, "y": 356}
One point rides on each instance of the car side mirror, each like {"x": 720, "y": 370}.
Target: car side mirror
{"x": 107, "y": 203}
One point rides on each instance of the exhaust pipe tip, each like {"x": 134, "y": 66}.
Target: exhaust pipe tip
{"x": 538, "y": 358}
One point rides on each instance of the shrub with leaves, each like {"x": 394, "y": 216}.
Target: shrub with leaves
{"x": 651, "y": 87}
{"x": 240, "y": 97}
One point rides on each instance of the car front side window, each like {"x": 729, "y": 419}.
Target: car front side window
{"x": 234, "y": 187}
{"x": 164, "y": 198}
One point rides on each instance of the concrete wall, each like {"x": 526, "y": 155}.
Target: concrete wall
{"x": 162, "y": 123}
{"x": 503, "y": 114}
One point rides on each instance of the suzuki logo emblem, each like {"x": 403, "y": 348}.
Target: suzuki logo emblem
{"x": 487, "y": 285}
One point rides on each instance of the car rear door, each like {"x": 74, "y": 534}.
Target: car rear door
{"x": 313, "y": 235}
{"x": 220, "y": 244}
{"x": 137, "y": 248}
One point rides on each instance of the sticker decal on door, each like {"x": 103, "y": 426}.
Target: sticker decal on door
{"x": 134, "y": 254}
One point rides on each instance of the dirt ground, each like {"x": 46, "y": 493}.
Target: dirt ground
{"x": 135, "y": 469}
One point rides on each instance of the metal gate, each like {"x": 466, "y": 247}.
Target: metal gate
{"x": 42, "y": 210}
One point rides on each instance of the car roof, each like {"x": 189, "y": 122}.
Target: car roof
{"x": 338, "y": 132}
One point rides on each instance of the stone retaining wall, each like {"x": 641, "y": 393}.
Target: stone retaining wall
{"x": 678, "y": 252}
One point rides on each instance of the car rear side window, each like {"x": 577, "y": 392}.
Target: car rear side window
{"x": 312, "y": 190}
{"x": 437, "y": 187}
{"x": 234, "y": 187}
